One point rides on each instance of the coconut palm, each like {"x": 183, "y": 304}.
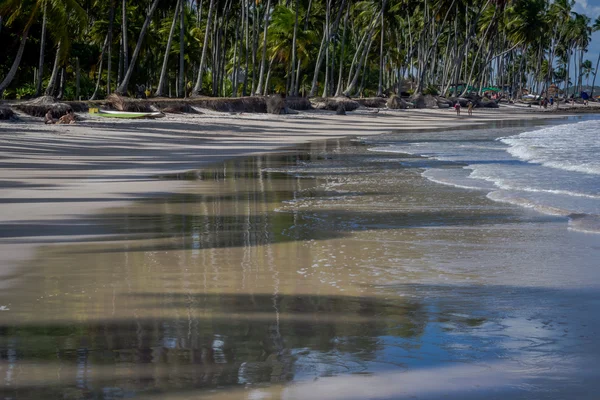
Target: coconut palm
{"x": 11, "y": 12}
{"x": 122, "y": 89}
{"x": 586, "y": 70}
{"x": 596, "y": 28}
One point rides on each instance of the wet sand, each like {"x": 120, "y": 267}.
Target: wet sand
{"x": 326, "y": 269}
{"x": 53, "y": 174}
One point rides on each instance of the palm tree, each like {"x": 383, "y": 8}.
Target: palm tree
{"x": 163, "y": 73}
{"x": 259, "y": 88}
{"x": 122, "y": 89}
{"x": 586, "y": 70}
{"x": 198, "y": 87}
{"x": 596, "y": 28}
{"x": 16, "y": 10}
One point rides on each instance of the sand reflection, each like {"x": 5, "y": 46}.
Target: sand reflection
{"x": 251, "y": 278}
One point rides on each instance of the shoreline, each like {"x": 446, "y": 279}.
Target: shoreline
{"x": 51, "y": 175}
{"x": 286, "y": 258}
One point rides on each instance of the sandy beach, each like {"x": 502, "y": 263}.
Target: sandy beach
{"x": 260, "y": 256}
{"x": 61, "y": 172}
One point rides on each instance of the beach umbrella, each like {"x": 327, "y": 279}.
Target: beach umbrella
{"x": 490, "y": 89}
{"x": 584, "y": 95}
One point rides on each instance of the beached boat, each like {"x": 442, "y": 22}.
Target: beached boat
{"x": 129, "y": 115}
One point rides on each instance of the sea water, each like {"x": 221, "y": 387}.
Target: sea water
{"x": 552, "y": 169}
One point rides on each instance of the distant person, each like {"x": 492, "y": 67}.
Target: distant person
{"x": 68, "y": 118}
{"x": 551, "y": 102}
{"x": 48, "y": 119}
{"x": 457, "y": 108}
{"x": 545, "y": 102}
{"x": 470, "y": 108}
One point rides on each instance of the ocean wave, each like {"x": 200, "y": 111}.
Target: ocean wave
{"x": 572, "y": 147}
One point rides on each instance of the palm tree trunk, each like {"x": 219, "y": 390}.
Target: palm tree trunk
{"x": 313, "y": 87}
{"x": 259, "y": 88}
{"x": 234, "y": 78}
{"x": 247, "y": 47}
{"x": 299, "y": 66}
{"x": 15, "y": 65}
{"x": 293, "y": 63}
{"x": 327, "y": 30}
{"x": 38, "y": 89}
{"x": 100, "y": 69}
{"x": 63, "y": 81}
{"x": 124, "y": 37}
{"x": 163, "y": 71}
{"x": 365, "y": 52}
{"x": 254, "y": 47}
{"x": 338, "y": 91}
{"x": 51, "y": 89}
{"x": 109, "y": 61}
{"x": 182, "y": 91}
{"x": 268, "y": 76}
{"x": 198, "y": 86}
{"x": 595, "y": 73}
{"x": 122, "y": 89}
{"x": 380, "y": 86}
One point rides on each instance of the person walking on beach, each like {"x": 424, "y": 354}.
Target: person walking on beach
{"x": 470, "y": 108}
{"x": 457, "y": 108}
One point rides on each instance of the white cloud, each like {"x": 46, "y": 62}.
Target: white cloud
{"x": 589, "y": 7}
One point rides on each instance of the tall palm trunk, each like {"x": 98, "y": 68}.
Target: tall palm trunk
{"x": 198, "y": 86}
{"x": 293, "y": 63}
{"x": 122, "y": 89}
{"x": 51, "y": 89}
{"x": 595, "y": 73}
{"x": 38, "y": 88}
{"x": 259, "y": 88}
{"x": 62, "y": 82}
{"x": 124, "y": 37}
{"x": 95, "y": 94}
{"x": 182, "y": 91}
{"x": 163, "y": 71}
{"x": 109, "y": 61}
{"x": 247, "y": 46}
{"x": 313, "y": 87}
{"x": 299, "y": 66}
{"x": 338, "y": 91}
{"x": 15, "y": 65}
{"x": 327, "y": 30}
{"x": 365, "y": 51}
{"x": 380, "y": 86}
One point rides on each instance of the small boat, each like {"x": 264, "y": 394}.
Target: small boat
{"x": 127, "y": 114}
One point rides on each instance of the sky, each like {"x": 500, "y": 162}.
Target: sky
{"x": 592, "y": 9}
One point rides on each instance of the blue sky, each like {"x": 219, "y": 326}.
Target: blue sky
{"x": 592, "y": 9}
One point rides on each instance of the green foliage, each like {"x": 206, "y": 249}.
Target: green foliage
{"x": 432, "y": 90}
{"x": 25, "y": 92}
{"x": 500, "y": 43}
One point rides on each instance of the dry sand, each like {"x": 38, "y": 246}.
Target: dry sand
{"x": 52, "y": 174}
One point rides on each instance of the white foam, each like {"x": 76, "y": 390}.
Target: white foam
{"x": 572, "y": 147}
{"x": 553, "y": 170}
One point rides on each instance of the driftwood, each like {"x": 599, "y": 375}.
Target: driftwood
{"x": 372, "y": 102}
{"x": 298, "y": 103}
{"x": 332, "y": 103}
{"x": 6, "y": 113}
{"x": 275, "y": 104}
{"x": 121, "y": 103}
{"x": 397, "y": 103}
{"x": 423, "y": 100}
{"x": 40, "y": 106}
